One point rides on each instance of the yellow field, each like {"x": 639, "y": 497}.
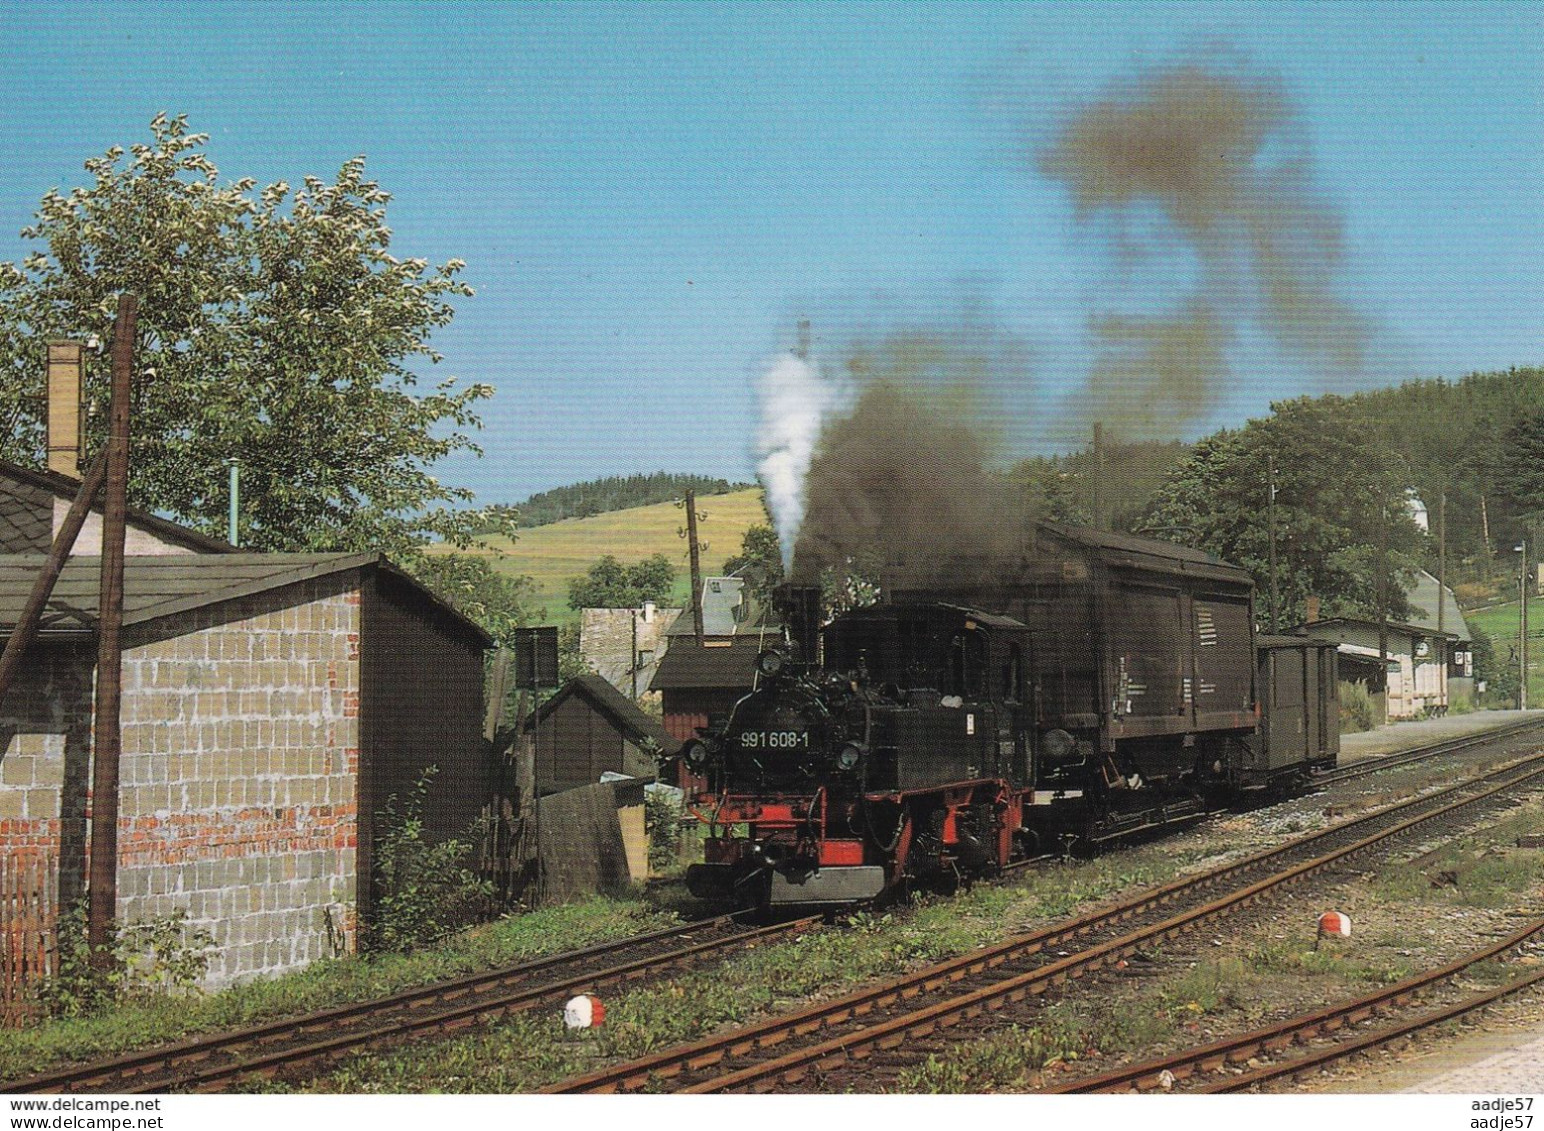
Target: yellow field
{"x": 552, "y": 554}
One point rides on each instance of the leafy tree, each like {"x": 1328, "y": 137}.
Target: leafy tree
{"x": 1063, "y": 488}
{"x": 759, "y": 562}
{"x": 496, "y": 601}
{"x": 611, "y": 585}
{"x": 1339, "y": 493}
{"x": 274, "y": 327}
{"x": 1519, "y": 475}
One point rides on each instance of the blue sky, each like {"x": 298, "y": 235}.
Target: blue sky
{"x": 648, "y": 196}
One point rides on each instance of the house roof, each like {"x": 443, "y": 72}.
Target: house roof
{"x": 727, "y": 664}
{"x": 30, "y": 495}
{"x": 728, "y": 608}
{"x": 156, "y": 586}
{"x": 1322, "y": 629}
{"x": 1424, "y": 596}
{"x": 626, "y": 715}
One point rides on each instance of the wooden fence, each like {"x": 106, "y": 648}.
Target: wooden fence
{"x": 29, "y": 916}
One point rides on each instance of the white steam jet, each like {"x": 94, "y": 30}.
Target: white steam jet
{"x": 796, "y": 401}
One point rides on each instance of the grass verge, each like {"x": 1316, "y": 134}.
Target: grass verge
{"x": 154, "y": 1020}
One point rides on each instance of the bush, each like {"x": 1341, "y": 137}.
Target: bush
{"x": 424, "y": 889}
{"x": 1357, "y": 710}
{"x": 154, "y": 956}
{"x": 662, "y": 820}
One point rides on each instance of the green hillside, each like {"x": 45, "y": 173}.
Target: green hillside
{"x": 553, "y": 553}
{"x": 1499, "y": 622}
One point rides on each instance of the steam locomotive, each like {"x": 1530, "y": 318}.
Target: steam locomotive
{"x": 1114, "y": 684}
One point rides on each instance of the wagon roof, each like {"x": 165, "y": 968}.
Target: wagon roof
{"x": 1134, "y": 551}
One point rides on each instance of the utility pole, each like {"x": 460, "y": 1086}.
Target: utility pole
{"x": 1383, "y": 603}
{"x": 1441, "y": 561}
{"x": 1098, "y": 501}
{"x": 1522, "y": 631}
{"x": 1270, "y": 510}
{"x": 108, "y": 738}
{"x": 696, "y": 557}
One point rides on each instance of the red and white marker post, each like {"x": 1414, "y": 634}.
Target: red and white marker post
{"x": 1336, "y": 924}
{"x": 583, "y": 1012}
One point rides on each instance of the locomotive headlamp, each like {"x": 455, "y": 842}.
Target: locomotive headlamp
{"x": 849, "y": 756}
{"x": 770, "y": 663}
{"x": 694, "y": 751}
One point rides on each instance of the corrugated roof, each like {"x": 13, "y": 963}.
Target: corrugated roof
{"x": 729, "y": 665}
{"x": 156, "y": 586}
{"x": 64, "y": 487}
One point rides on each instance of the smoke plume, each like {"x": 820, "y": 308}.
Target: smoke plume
{"x": 902, "y": 483}
{"x": 796, "y": 399}
{"x": 1217, "y": 153}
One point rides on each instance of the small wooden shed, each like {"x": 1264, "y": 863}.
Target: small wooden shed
{"x": 589, "y": 728}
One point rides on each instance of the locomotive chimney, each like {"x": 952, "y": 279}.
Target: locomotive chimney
{"x": 799, "y": 606}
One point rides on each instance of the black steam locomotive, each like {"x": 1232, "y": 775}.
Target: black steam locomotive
{"x": 1114, "y": 684}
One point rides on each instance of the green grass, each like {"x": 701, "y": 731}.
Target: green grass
{"x": 1499, "y": 622}
{"x": 532, "y": 1050}
{"x": 153, "y": 1020}
{"x": 550, "y": 555}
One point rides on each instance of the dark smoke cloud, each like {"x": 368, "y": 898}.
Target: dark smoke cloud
{"x": 903, "y": 483}
{"x": 1217, "y": 151}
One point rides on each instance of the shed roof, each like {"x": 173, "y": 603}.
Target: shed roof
{"x": 730, "y": 663}
{"x": 156, "y": 586}
{"x": 626, "y": 715}
{"x": 22, "y": 489}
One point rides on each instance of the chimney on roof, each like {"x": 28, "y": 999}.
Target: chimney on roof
{"x": 66, "y": 379}
{"x": 1312, "y": 611}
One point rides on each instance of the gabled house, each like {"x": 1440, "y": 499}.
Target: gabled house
{"x": 33, "y": 505}
{"x": 702, "y": 684}
{"x": 625, "y": 646}
{"x": 1411, "y": 682}
{"x": 1434, "y": 608}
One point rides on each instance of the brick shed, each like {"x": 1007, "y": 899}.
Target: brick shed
{"x": 271, "y": 703}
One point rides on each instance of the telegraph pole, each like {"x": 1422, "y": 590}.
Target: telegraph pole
{"x": 108, "y": 739}
{"x": 1522, "y": 631}
{"x": 696, "y": 552}
{"x": 1270, "y": 510}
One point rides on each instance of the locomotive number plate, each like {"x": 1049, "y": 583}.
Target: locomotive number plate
{"x": 775, "y": 739}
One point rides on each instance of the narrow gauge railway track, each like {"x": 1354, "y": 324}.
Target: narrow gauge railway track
{"x": 208, "y": 1062}
{"x": 1273, "y": 1040}
{"x": 1423, "y": 753}
{"x": 832, "y": 1036}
